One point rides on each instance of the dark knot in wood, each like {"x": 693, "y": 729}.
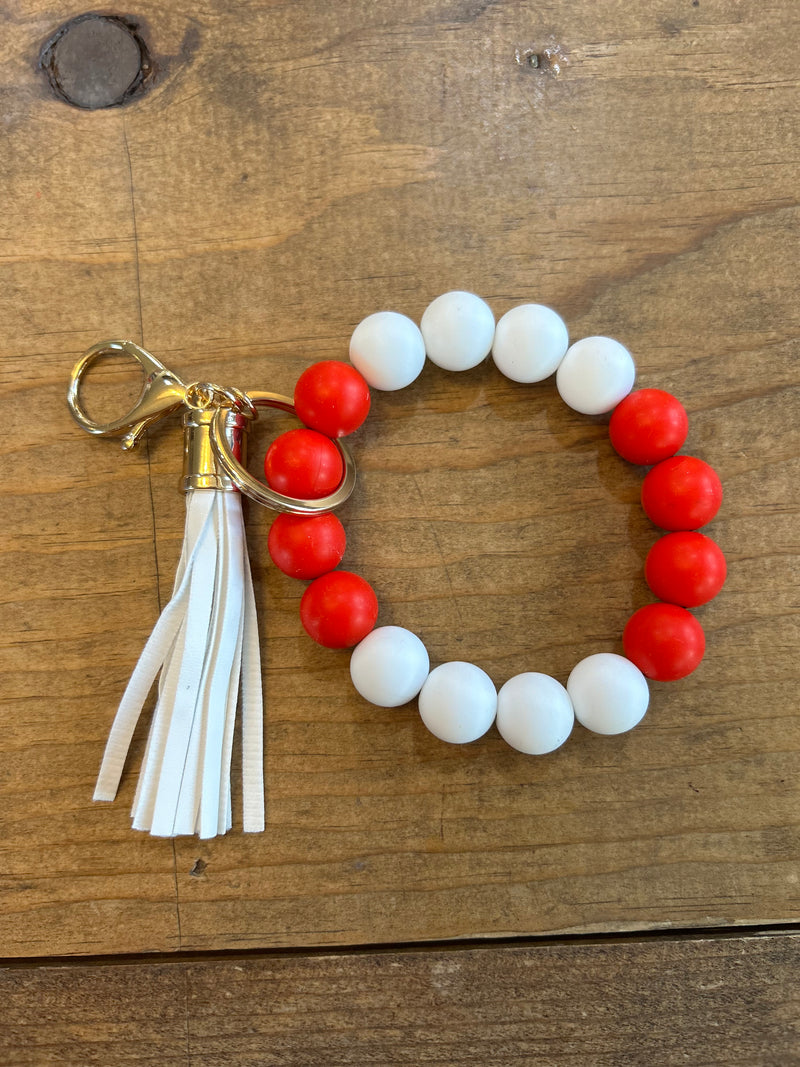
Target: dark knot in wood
{"x": 95, "y": 61}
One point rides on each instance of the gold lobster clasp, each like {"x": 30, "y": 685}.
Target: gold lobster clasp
{"x": 162, "y": 393}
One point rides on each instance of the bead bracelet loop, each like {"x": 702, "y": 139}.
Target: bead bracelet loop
{"x": 390, "y": 666}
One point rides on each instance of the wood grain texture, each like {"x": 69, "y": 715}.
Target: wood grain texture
{"x": 292, "y": 169}
{"x": 725, "y": 1002}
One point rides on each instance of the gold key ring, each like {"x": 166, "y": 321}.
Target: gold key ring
{"x": 262, "y": 494}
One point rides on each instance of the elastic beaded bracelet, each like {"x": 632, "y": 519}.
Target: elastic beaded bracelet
{"x": 390, "y": 666}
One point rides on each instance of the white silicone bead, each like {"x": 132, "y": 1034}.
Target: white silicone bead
{"x": 529, "y": 343}
{"x": 534, "y": 713}
{"x": 595, "y": 374}
{"x": 458, "y": 329}
{"x": 389, "y": 666}
{"x": 608, "y": 692}
{"x": 458, "y": 702}
{"x": 388, "y": 350}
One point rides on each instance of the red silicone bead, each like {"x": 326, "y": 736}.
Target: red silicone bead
{"x": 648, "y": 426}
{"x": 303, "y": 464}
{"x": 332, "y": 397}
{"x": 306, "y": 546}
{"x": 685, "y": 568}
{"x": 666, "y": 642}
{"x": 339, "y": 609}
{"x": 681, "y": 493}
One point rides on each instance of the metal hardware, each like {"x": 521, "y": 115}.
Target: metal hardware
{"x": 162, "y": 392}
{"x": 201, "y": 465}
{"x": 207, "y": 396}
{"x": 215, "y": 427}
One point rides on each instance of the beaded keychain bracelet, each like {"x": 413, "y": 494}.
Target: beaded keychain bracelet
{"x": 390, "y": 666}
{"x": 204, "y": 648}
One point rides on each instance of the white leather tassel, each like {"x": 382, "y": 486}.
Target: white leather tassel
{"x": 205, "y": 644}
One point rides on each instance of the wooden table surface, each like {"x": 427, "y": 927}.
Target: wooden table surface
{"x": 284, "y": 170}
